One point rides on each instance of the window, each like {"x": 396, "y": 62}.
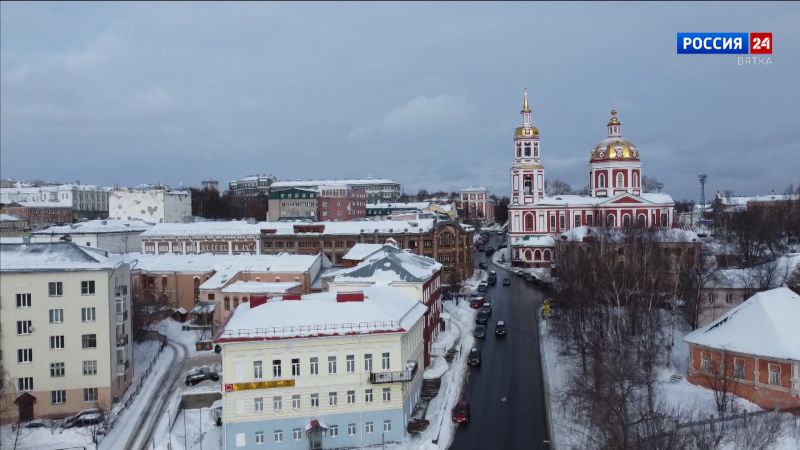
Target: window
{"x": 706, "y": 362}
{"x": 277, "y": 403}
{"x": 387, "y": 394}
{"x": 276, "y": 368}
{"x": 368, "y": 362}
{"x": 351, "y": 429}
{"x": 24, "y": 327}
{"x": 227, "y": 304}
{"x": 89, "y": 341}
{"x": 561, "y": 222}
{"x": 259, "y": 437}
{"x": 258, "y": 404}
{"x": 351, "y": 363}
{"x": 58, "y": 397}
{"x": 90, "y": 394}
{"x": 577, "y": 220}
{"x": 331, "y": 365}
{"x": 333, "y": 399}
{"x": 90, "y": 367}
{"x": 385, "y": 361}
{"x": 23, "y": 300}
{"x": 56, "y": 315}
{"x": 87, "y": 287}
{"x": 278, "y": 434}
{"x": 56, "y": 342}
{"x": 88, "y": 314}
{"x": 367, "y": 395}
{"x": 738, "y": 367}
{"x": 297, "y": 434}
{"x": 620, "y": 180}
{"x": 295, "y": 402}
{"x": 775, "y": 374}
{"x": 588, "y": 220}
{"x": 351, "y": 397}
{"x": 314, "y": 367}
{"x": 552, "y": 222}
{"x": 387, "y": 426}
{"x": 369, "y": 428}
{"x": 24, "y": 355}
{"x": 57, "y": 369}
{"x": 55, "y": 289}
{"x": 315, "y": 400}
{"x": 258, "y": 370}
{"x": 333, "y": 431}
{"x": 711, "y": 297}
{"x": 295, "y": 367}
{"x": 728, "y": 298}
{"x": 428, "y": 243}
{"x": 25, "y": 384}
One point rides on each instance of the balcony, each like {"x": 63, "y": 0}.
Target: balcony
{"x": 402, "y": 376}
{"x": 122, "y": 340}
{"x": 119, "y": 291}
{"x": 123, "y": 367}
{"x": 122, "y": 317}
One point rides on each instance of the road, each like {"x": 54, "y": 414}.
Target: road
{"x": 506, "y": 393}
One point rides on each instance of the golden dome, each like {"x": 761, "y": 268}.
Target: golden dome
{"x": 615, "y": 149}
{"x": 522, "y": 132}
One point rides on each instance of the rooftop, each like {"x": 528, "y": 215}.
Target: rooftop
{"x": 26, "y": 257}
{"x": 361, "y": 251}
{"x": 243, "y": 228}
{"x": 282, "y": 262}
{"x": 9, "y": 218}
{"x": 764, "y": 325}
{"x": 383, "y": 310}
{"x": 259, "y": 287}
{"x": 99, "y": 226}
{"x": 390, "y": 264}
{"x": 363, "y": 181}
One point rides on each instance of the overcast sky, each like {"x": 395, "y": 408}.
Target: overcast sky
{"x": 425, "y": 94}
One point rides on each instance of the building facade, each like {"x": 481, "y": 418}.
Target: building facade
{"x": 341, "y": 203}
{"x": 327, "y": 370}
{"x": 116, "y": 236}
{"x": 292, "y": 204}
{"x": 477, "y": 205}
{"x": 86, "y": 201}
{"x": 378, "y": 190}
{"x": 154, "y": 205}
{"x": 251, "y": 186}
{"x": 616, "y": 197}
{"x": 66, "y": 328}
{"x": 39, "y": 215}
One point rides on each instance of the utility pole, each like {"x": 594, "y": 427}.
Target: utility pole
{"x": 703, "y": 177}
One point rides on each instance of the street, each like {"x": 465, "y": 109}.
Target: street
{"x": 506, "y": 394}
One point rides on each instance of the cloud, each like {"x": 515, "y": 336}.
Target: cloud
{"x": 419, "y": 116}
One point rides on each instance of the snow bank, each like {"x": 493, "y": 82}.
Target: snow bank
{"x": 437, "y": 368}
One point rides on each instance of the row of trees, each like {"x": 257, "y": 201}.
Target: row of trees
{"x": 209, "y": 203}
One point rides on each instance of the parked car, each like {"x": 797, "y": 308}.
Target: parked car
{"x": 482, "y": 287}
{"x": 477, "y": 302}
{"x": 461, "y": 412}
{"x": 474, "y": 358}
{"x": 506, "y": 281}
{"x": 500, "y": 328}
{"x": 486, "y": 308}
{"x": 201, "y": 375}
{"x": 36, "y": 424}
{"x": 91, "y": 416}
{"x": 480, "y": 332}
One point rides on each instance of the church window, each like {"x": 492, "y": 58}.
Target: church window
{"x": 527, "y": 149}
{"x": 588, "y": 220}
{"x": 519, "y": 149}
{"x": 626, "y": 220}
{"x": 529, "y": 222}
{"x": 536, "y": 149}
{"x": 601, "y": 180}
{"x": 610, "y": 220}
{"x": 561, "y": 221}
{"x": 663, "y": 219}
{"x": 552, "y": 222}
{"x": 642, "y": 220}
{"x": 620, "y": 180}
{"x": 635, "y": 179}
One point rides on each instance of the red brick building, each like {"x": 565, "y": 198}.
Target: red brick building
{"x": 41, "y": 215}
{"x": 758, "y": 345}
{"x": 341, "y": 203}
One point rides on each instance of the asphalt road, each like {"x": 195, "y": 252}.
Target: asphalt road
{"x": 506, "y": 393}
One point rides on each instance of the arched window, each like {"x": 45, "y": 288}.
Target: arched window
{"x": 235, "y": 302}
{"x": 626, "y": 220}
{"x": 620, "y": 180}
{"x": 227, "y": 304}
{"x": 536, "y": 149}
{"x": 610, "y": 221}
{"x": 641, "y": 220}
{"x": 547, "y": 255}
{"x": 601, "y": 180}
{"x": 527, "y": 255}
{"x": 635, "y": 179}
{"x": 519, "y": 149}
{"x": 196, "y": 289}
{"x": 529, "y": 225}
{"x": 528, "y": 149}
{"x": 528, "y": 185}
{"x": 537, "y": 255}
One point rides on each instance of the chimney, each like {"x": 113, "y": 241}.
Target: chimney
{"x": 353, "y": 296}
{"x": 256, "y": 300}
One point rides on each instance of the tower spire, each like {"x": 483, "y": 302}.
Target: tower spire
{"x": 525, "y": 107}
{"x": 614, "y": 124}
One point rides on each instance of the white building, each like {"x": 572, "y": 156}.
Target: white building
{"x": 477, "y": 204}
{"x": 327, "y": 370}
{"x": 86, "y": 201}
{"x": 116, "y": 236}
{"x": 66, "y": 327}
{"x": 378, "y": 190}
{"x": 150, "y": 205}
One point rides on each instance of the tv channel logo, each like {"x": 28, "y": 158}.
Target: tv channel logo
{"x": 725, "y": 43}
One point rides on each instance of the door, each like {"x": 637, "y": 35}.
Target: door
{"x": 25, "y": 404}
{"x": 315, "y": 439}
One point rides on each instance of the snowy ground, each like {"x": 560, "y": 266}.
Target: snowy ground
{"x": 567, "y": 434}
{"x": 194, "y": 425}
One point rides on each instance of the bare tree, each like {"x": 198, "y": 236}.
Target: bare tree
{"x": 557, "y": 187}
{"x": 758, "y": 432}
{"x": 150, "y": 302}
{"x": 720, "y": 378}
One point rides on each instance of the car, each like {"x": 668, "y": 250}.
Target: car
{"x": 486, "y": 308}
{"x": 92, "y": 416}
{"x": 201, "y": 375}
{"x": 36, "y": 424}
{"x": 460, "y": 412}
{"x": 500, "y": 328}
{"x": 483, "y": 287}
{"x": 506, "y": 281}
{"x": 480, "y": 332}
{"x": 519, "y": 272}
{"x": 491, "y": 281}
{"x": 481, "y": 318}
{"x": 476, "y": 303}
{"x": 474, "y": 357}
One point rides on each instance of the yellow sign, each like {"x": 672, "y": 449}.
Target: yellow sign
{"x": 258, "y": 385}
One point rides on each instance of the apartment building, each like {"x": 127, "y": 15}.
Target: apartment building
{"x": 326, "y": 370}
{"x": 156, "y": 205}
{"x": 64, "y": 330}
{"x": 116, "y": 236}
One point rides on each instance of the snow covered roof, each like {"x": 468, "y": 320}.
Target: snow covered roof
{"x": 259, "y": 287}
{"x": 282, "y": 262}
{"x": 399, "y": 205}
{"x": 361, "y": 251}
{"x": 659, "y": 234}
{"x": 9, "y": 218}
{"x": 571, "y": 199}
{"x": 390, "y": 264}
{"x": 299, "y": 183}
{"x": 764, "y": 325}
{"x": 243, "y": 228}
{"x": 61, "y": 203}
{"x": 383, "y": 309}
{"x": 474, "y": 189}
{"x": 773, "y": 274}
{"x": 51, "y": 256}
{"x": 535, "y": 241}
{"x": 99, "y": 226}
{"x": 744, "y": 200}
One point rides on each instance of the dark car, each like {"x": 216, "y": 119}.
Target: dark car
{"x": 92, "y": 416}
{"x": 482, "y": 287}
{"x": 486, "y": 308}
{"x": 36, "y": 424}
{"x": 474, "y": 358}
{"x": 506, "y": 281}
{"x": 477, "y": 302}
{"x": 461, "y": 412}
{"x": 481, "y": 318}
{"x": 500, "y": 328}
{"x": 201, "y": 375}
{"x": 480, "y": 332}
